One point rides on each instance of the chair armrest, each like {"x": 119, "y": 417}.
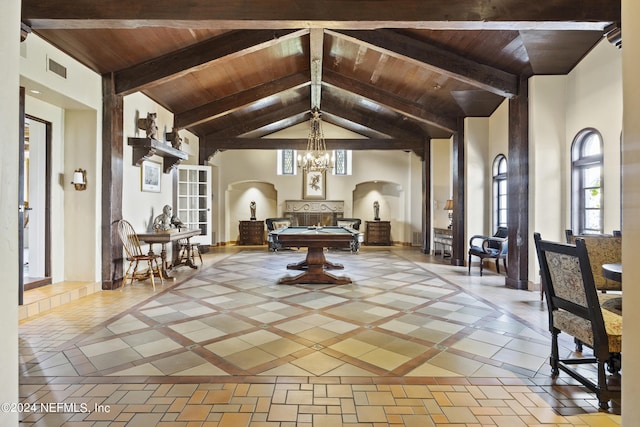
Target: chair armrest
{"x": 478, "y": 237}
{"x": 495, "y": 244}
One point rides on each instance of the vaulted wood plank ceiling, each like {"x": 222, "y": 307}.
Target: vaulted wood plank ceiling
{"x": 391, "y": 70}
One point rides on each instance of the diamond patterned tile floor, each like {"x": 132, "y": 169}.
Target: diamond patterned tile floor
{"x": 411, "y": 342}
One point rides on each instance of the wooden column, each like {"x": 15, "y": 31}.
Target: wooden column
{"x": 426, "y": 196}
{"x": 112, "y": 170}
{"x": 459, "y": 255}
{"x": 518, "y": 189}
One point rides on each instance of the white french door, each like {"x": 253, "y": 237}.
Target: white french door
{"x": 194, "y": 200}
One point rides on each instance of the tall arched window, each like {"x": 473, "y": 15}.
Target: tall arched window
{"x": 499, "y": 192}
{"x": 586, "y": 182}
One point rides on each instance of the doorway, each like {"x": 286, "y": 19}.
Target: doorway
{"x": 35, "y": 270}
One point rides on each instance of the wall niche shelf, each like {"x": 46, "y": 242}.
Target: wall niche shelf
{"x": 145, "y": 148}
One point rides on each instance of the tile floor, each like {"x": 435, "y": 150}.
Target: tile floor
{"x": 411, "y": 342}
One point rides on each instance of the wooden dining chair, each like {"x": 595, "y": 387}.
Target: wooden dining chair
{"x": 574, "y": 308}
{"x": 131, "y": 245}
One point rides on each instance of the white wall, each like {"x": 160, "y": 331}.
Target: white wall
{"x": 72, "y": 106}
{"x": 631, "y": 200}
{"x": 441, "y": 181}
{"x": 548, "y": 160}
{"x": 478, "y": 177}
{"x": 594, "y": 99}
{"x": 9, "y": 35}
{"x": 141, "y": 207}
{"x": 259, "y": 166}
{"x": 81, "y": 208}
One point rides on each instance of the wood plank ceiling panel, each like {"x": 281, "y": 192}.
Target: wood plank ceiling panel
{"x": 230, "y": 75}
{"x": 105, "y": 50}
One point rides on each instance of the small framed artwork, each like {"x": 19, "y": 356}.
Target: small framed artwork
{"x": 151, "y": 175}
{"x": 314, "y": 185}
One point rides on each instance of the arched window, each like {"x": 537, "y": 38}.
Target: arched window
{"x": 499, "y": 192}
{"x": 586, "y": 182}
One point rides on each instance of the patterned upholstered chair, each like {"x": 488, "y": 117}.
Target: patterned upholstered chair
{"x": 575, "y": 309}
{"x": 603, "y": 249}
{"x": 490, "y": 247}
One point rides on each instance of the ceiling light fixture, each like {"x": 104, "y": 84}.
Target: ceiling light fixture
{"x": 316, "y": 158}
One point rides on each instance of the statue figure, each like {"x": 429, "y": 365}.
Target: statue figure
{"x": 165, "y": 221}
{"x": 376, "y": 211}
{"x": 149, "y": 125}
{"x": 252, "y": 208}
{"x": 174, "y": 138}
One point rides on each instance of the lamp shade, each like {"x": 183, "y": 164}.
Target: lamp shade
{"x": 78, "y": 178}
{"x": 448, "y": 206}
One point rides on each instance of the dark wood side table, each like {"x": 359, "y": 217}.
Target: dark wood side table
{"x": 612, "y": 271}
{"x": 378, "y": 233}
{"x": 251, "y": 233}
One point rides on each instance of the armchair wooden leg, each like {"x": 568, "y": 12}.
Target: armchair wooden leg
{"x": 498, "y": 265}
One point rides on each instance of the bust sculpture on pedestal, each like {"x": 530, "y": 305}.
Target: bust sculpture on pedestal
{"x": 376, "y": 211}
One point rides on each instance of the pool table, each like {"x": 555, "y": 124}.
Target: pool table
{"x": 315, "y": 239}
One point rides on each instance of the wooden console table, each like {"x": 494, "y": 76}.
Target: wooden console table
{"x": 378, "y": 233}
{"x": 444, "y": 238}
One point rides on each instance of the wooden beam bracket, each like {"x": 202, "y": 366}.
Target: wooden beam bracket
{"x": 145, "y": 148}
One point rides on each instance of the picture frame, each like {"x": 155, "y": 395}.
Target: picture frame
{"x": 314, "y": 185}
{"x": 151, "y": 175}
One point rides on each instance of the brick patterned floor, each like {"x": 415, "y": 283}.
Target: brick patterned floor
{"x": 410, "y": 342}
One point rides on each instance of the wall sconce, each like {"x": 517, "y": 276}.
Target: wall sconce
{"x": 80, "y": 179}
{"x": 448, "y": 206}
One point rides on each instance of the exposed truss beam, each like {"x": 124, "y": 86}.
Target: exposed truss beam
{"x": 192, "y": 58}
{"x": 261, "y": 121}
{"x": 392, "y": 102}
{"x": 354, "y": 14}
{"x": 214, "y": 145}
{"x": 235, "y": 102}
{"x": 443, "y": 61}
{"x": 367, "y": 120}
{"x": 316, "y": 41}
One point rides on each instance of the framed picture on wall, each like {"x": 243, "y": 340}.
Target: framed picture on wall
{"x": 151, "y": 175}
{"x": 314, "y": 185}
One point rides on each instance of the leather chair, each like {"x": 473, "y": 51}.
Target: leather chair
{"x": 355, "y": 224}
{"x": 575, "y": 308}
{"x": 275, "y": 224}
{"x": 490, "y": 247}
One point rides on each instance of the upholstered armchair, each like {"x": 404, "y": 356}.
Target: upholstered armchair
{"x": 577, "y": 309}
{"x": 602, "y": 249}
{"x": 490, "y": 247}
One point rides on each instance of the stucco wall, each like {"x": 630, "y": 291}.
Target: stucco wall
{"x": 9, "y": 34}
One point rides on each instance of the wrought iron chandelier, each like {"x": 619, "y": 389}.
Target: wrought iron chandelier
{"x": 316, "y": 158}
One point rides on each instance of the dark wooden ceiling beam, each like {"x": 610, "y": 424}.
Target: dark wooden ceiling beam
{"x": 392, "y": 102}
{"x": 441, "y": 60}
{"x": 316, "y": 50}
{"x": 261, "y": 120}
{"x": 301, "y": 143}
{"x": 235, "y": 102}
{"x": 192, "y": 58}
{"x": 355, "y": 14}
{"x": 371, "y": 121}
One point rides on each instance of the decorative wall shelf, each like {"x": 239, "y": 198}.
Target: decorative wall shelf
{"x": 145, "y": 148}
